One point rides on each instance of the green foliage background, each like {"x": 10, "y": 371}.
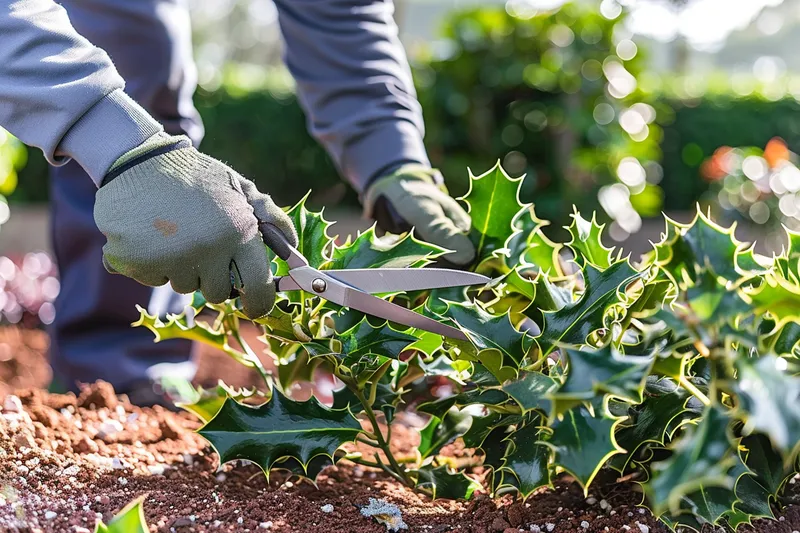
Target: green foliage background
{"x": 502, "y": 87}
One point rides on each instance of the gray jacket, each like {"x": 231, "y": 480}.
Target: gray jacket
{"x": 63, "y": 95}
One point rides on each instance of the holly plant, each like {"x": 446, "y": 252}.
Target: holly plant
{"x": 678, "y": 371}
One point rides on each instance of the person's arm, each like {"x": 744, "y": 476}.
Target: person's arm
{"x": 169, "y": 213}
{"x": 354, "y": 84}
{"x": 61, "y": 94}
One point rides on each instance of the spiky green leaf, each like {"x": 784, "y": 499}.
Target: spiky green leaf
{"x": 440, "y": 432}
{"x": 129, "y": 520}
{"x": 573, "y": 323}
{"x": 493, "y": 204}
{"x": 528, "y": 459}
{"x": 593, "y": 372}
{"x": 442, "y": 482}
{"x": 278, "y": 428}
{"x": 582, "y": 441}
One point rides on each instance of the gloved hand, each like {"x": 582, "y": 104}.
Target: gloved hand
{"x": 170, "y": 213}
{"x": 412, "y": 194}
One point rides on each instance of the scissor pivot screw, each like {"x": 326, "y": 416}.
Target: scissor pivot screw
{"x": 319, "y": 285}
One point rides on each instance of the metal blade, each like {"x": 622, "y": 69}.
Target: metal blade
{"x": 379, "y": 280}
{"x": 333, "y": 290}
{"x": 372, "y": 305}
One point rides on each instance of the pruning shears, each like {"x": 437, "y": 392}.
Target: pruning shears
{"x": 354, "y": 288}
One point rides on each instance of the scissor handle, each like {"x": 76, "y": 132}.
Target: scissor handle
{"x": 273, "y": 237}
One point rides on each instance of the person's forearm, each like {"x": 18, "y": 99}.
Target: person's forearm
{"x": 60, "y": 93}
{"x": 355, "y": 84}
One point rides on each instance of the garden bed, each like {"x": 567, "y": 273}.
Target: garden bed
{"x": 66, "y": 461}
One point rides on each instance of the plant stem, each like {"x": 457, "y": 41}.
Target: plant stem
{"x": 232, "y": 328}
{"x": 396, "y": 470}
{"x": 363, "y": 462}
{"x": 368, "y": 441}
{"x": 688, "y": 385}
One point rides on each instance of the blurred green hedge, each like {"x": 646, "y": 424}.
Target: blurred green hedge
{"x": 695, "y": 128}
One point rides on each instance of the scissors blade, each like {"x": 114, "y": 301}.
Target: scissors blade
{"x": 380, "y": 280}
{"x": 333, "y": 290}
{"x": 372, "y": 305}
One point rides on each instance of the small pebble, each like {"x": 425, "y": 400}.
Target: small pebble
{"x": 155, "y": 470}
{"x": 327, "y": 508}
{"x": 49, "y": 515}
{"x": 643, "y": 528}
{"x": 604, "y": 505}
{"x": 108, "y": 428}
{"x": 550, "y": 527}
{"x": 265, "y": 525}
{"x": 12, "y": 404}
{"x": 591, "y": 501}
{"x": 123, "y": 481}
{"x": 585, "y": 524}
{"x": 239, "y": 520}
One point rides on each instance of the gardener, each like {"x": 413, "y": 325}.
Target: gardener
{"x": 168, "y": 213}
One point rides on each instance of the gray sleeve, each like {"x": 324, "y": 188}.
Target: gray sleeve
{"x": 354, "y": 83}
{"x": 60, "y": 93}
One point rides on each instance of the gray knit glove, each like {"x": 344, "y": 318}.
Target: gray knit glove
{"x": 413, "y": 196}
{"x": 172, "y": 214}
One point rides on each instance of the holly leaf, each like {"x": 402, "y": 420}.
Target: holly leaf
{"x": 488, "y": 331}
{"x": 587, "y": 241}
{"x": 604, "y": 371}
{"x": 310, "y": 471}
{"x": 363, "y": 338}
{"x": 573, "y": 323}
{"x": 482, "y": 426}
{"x": 529, "y": 247}
{"x": 528, "y": 459}
{"x": 439, "y": 407}
{"x": 583, "y": 440}
{"x": 130, "y": 519}
{"x": 664, "y": 404}
{"x": 765, "y": 463}
{"x": 702, "y": 459}
{"x": 277, "y": 429}
{"x": 439, "y": 432}
{"x": 312, "y": 236}
{"x": 688, "y": 248}
{"x": 777, "y": 297}
{"x": 390, "y": 251}
{"x": 489, "y": 203}
{"x": 531, "y": 391}
{"x": 444, "y": 483}
{"x": 181, "y": 327}
{"x": 207, "y": 402}
{"x": 713, "y": 303}
{"x": 495, "y": 362}
{"x": 709, "y": 504}
{"x": 769, "y": 399}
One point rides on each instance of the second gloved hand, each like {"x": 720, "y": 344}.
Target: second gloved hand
{"x": 412, "y": 193}
{"x": 173, "y": 214}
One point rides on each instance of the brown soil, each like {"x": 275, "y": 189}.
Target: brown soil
{"x": 66, "y": 461}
